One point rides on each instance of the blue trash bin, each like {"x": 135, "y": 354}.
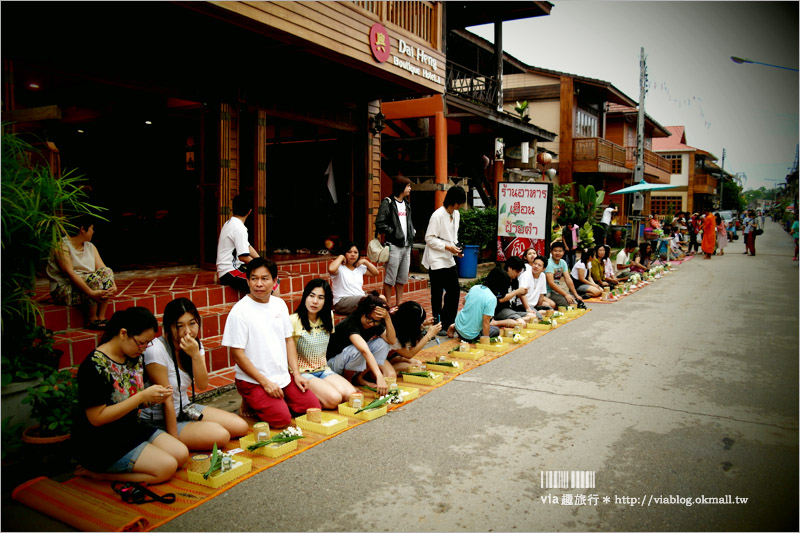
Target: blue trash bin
{"x": 468, "y": 265}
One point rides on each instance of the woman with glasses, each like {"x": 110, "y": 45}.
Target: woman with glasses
{"x": 361, "y": 342}
{"x": 177, "y": 360}
{"x": 312, "y": 325}
{"x": 110, "y": 442}
{"x": 409, "y": 321}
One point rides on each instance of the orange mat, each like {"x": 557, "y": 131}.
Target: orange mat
{"x": 90, "y": 505}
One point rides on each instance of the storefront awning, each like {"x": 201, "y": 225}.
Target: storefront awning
{"x": 643, "y": 187}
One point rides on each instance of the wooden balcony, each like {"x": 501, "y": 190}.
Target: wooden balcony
{"x": 417, "y": 17}
{"x": 704, "y": 184}
{"x": 471, "y": 85}
{"x": 594, "y": 154}
{"x": 655, "y": 166}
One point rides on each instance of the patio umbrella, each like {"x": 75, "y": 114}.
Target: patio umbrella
{"x": 644, "y": 187}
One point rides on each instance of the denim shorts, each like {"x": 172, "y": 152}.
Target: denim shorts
{"x": 126, "y": 462}
{"x": 146, "y": 417}
{"x": 322, "y": 374}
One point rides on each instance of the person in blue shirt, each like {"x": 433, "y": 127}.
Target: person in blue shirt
{"x": 475, "y": 318}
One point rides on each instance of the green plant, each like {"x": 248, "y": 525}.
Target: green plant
{"x": 12, "y": 437}
{"x": 53, "y": 400}
{"x": 478, "y": 226}
{"x": 586, "y": 235}
{"x": 36, "y": 211}
{"x": 522, "y": 111}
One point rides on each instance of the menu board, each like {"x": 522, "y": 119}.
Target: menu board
{"x": 524, "y": 212}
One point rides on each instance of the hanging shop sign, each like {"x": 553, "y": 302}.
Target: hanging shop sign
{"x": 413, "y": 59}
{"x": 524, "y": 214}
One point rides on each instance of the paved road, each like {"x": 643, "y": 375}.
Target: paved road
{"x": 686, "y": 389}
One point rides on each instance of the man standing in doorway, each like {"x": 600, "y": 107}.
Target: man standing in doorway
{"x": 233, "y": 248}
{"x": 394, "y": 222}
{"x": 441, "y": 241}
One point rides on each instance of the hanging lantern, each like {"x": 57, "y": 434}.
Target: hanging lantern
{"x": 524, "y": 148}
{"x": 550, "y": 173}
{"x": 544, "y": 158}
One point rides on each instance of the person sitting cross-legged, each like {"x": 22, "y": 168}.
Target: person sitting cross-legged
{"x": 622, "y": 263}
{"x": 560, "y": 287}
{"x": 512, "y": 303}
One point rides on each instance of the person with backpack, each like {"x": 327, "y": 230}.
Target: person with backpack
{"x": 394, "y": 222}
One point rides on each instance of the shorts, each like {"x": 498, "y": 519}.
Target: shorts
{"x": 397, "y": 266}
{"x": 147, "y": 418}
{"x": 347, "y": 305}
{"x": 508, "y": 314}
{"x": 68, "y": 294}
{"x": 351, "y": 359}
{"x": 127, "y": 461}
{"x": 494, "y": 331}
{"x": 321, "y": 374}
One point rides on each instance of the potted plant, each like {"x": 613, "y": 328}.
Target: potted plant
{"x": 477, "y": 233}
{"x": 52, "y": 401}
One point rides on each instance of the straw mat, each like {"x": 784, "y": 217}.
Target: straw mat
{"x": 91, "y": 505}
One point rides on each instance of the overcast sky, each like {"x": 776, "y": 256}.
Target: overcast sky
{"x": 750, "y": 110}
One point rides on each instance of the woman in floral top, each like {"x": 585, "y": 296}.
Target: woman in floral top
{"x": 109, "y": 441}
{"x": 312, "y": 325}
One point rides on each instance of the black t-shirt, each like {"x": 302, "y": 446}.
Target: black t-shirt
{"x": 500, "y": 283}
{"x": 102, "y": 381}
{"x": 340, "y": 338}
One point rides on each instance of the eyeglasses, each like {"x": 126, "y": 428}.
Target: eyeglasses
{"x": 144, "y": 345}
{"x": 372, "y": 321}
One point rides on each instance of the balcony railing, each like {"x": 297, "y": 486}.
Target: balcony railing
{"x": 415, "y": 16}
{"x": 597, "y": 149}
{"x": 650, "y": 158}
{"x": 470, "y": 85}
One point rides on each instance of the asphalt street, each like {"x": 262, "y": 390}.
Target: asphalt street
{"x": 683, "y": 392}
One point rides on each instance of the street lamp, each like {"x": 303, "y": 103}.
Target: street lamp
{"x": 742, "y": 60}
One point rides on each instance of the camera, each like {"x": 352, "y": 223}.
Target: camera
{"x": 131, "y": 493}
{"x": 190, "y": 414}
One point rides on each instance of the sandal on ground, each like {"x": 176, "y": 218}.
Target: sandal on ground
{"x": 95, "y": 325}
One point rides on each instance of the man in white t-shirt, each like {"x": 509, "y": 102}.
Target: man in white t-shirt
{"x": 258, "y": 332}
{"x": 605, "y": 221}
{"x": 535, "y": 281}
{"x": 622, "y": 263}
{"x": 233, "y": 248}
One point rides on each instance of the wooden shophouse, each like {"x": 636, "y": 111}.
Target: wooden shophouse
{"x": 170, "y": 109}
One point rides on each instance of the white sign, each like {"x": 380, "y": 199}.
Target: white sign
{"x": 522, "y": 210}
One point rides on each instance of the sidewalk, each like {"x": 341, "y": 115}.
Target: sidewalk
{"x": 688, "y": 387}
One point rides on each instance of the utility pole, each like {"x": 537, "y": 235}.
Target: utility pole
{"x": 638, "y": 171}
{"x": 722, "y": 180}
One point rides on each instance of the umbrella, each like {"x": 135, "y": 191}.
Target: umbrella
{"x": 643, "y": 187}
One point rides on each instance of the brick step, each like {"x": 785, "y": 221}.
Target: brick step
{"x": 77, "y": 343}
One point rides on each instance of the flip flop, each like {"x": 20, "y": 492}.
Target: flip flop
{"x": 95, "y": 325}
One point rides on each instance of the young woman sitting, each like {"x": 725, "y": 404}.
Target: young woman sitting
{"x": 641, "y": 261}
{"x": 110, "y": 442}
{"x": 347, "y": 278}
{"x": 177, "y": 360}
{"x": 581, "y": 276}
{"x": 312, "y": 325}
{"x": 361, "y": 342}
{"x": 409, "y": 321}
{"x": 598, "y": 268}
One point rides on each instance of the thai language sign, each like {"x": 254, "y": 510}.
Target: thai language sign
{"x": 524, "y": 212}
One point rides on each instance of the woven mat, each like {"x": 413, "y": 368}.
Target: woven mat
{"x": 91, "y": 505}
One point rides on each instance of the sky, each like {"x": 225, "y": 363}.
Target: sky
{"x": 749, "y": 110}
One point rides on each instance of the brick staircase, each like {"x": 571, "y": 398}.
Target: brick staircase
{"x": 153, "y": 289}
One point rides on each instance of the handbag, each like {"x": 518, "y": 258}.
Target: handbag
{"x": 377, "y": 252}
{"x": 759, "y": 231}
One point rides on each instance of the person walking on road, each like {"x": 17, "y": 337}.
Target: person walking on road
{"x": 750, "y": 227}
{"x": 709, "y": 235}
{"x": 394, "y": 221}
{"x": 722, "y": 234}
